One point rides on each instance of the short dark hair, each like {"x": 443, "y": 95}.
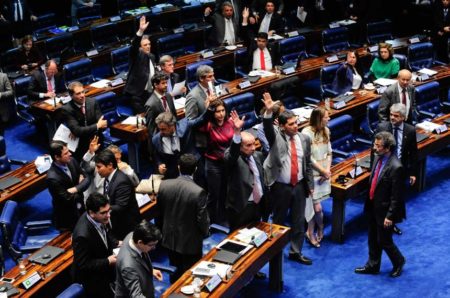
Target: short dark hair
{"x": 285, "y": 116}
{"x": 95, "y": 201}
{"x": 72, "y": 86}
{"x": 262, "y": 35}
{"x": 387, "y": 139}
{"x": 146, "y": 232}
{"x": 106, "y": 157}
{"x": 158, "y": 77}
{"x": 187, "y": 164}
{"x": 56, "y": 148}
{"x": 26, "y": 39}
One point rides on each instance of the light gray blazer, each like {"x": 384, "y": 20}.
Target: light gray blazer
{"x": 195, "y": 106}
{"x": 6, "y": 95}
{"x": 391, "y": 96}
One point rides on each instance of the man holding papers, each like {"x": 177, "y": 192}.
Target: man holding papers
{"x": 167, "y": 67}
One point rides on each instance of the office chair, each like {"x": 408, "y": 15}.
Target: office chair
{"x": 335, "y": 39}
{"x": 80, "y": 70}
{"x": 86, "y": 14}
{"x": 421, "y": 55}
{"x": 104, "y": 35}
{"x": 379, "y": 31}
{"x": 120, "y": 59}
{"x": 370, "y": 122}
{"x": 244, "y": 104}
{"x": 291, "y": 49}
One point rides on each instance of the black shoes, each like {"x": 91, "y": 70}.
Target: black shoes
{"x": 397, "y": 230}
{"x": 300, "y": 258}
{"x": 367, "y": 270}
{"x": 397, "y": 271}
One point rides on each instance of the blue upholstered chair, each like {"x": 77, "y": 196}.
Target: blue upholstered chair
{"x": 428, "y": 103}
{"x": 108, "y": 105}
{"x": 21, "y": 238}
{"x": 104, "y": 34}
{"x": 191, "y": 69}
{"x": 80, "y": 70}
{"x": 8, "y": 60}
{"x": 241, "y": 62}
{"x": 379, "y": 31}
{"x": 244, "y": 104}
{"x": 370, "y": 122}
{"x": 291, "y": 49}
{"x": 344, "y": 143}
{"x": 335, "y": 39}
{"x": 43, "y": 23}
{"x": 327, "y": 75}
{"x": 421, "y": 55}
{"x": 86, "y": 14}
{"x": 192, "y": 14}
{"x": 120, "y": 59}
{"x": 173, "y": 45}
{"x": 73, "y": 291}
{"x": 21, "y": 99}
{"x": 55, "y": 45}
{"x": 124, "y": 5}
{"x": 291, "y": 102}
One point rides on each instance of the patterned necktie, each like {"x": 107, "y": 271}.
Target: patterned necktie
{"x": 146, "y": 259}
{"x": 106, "y": 186}
{"x": 262, "y": 60}
{"x": 83, "y": 109}
{"x": 164, "y": 102}
{"x": 404, "y": 96}
{"x": 49, "y": 85}
{"x": 375, "y": 179}
{"x": 294, "y": 163}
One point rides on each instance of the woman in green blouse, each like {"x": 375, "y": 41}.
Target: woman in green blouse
{"x": 385, "y": 65}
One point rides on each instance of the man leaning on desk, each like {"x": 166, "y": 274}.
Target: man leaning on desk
{"x": 45, "y": 83}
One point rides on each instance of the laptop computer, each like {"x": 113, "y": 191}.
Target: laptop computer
{"x": 45, "y": 255}
{"x": 421, "y": 136}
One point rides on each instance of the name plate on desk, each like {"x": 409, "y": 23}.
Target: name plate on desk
{"x": 207, "y": 54}
{"x": 333, "y": 58}
{"x": 373, "y": 49}
{"x": 292, "y": 33}
{"x": 213, "y": 283}
{"x": 115, "y": 18}
{"x": 355, "y": 172}
{"x": 31, "y": 281}
{"x": 178, "y": 30}
{"x": 259, "y": 239}
{"x": 339, "y": 105}
{"x": 414, "y": 40}
{"x": 156, "y": 9}
{"x": 116, "y": 82}
{"x": 334, "y": 25}
{"x": 92, "y": 53}
{"x": 423, "y": 77}
{"x": 73, "y": 28}
{"x": 289, "y": 70}
{"x": 244, "y": 84}
{"x": 380, "y": 90}
{"x": 442, "y": 128}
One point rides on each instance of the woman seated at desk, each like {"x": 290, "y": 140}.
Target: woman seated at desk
{"x": 385, "y": 65}
{"x": 348, "y": 76}
{"x": 29, "y": 57}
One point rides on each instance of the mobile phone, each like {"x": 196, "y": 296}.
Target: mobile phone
{"x": 7, "y": 279}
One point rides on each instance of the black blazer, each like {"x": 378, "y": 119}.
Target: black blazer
{"x": 90, "y": 259}
{"x": 38, "y": 85}
{"x": 65, "y": 212}
{"x": 388, "y": 201}
{"x": 8, "y": 10}
{"x": 139, "y": 69}
{"x": 409, "y": 157}
{"x": 217, "y": 33}
{"x": 439, "y": 20}
{"x": 252, "y": 48}
{"x": 240, "y": 184}
{"x": 154, "y": 107}
{"x": 124, "y": 208}
{"x": 276, "y": 23}
{"x": 34, "y": 56}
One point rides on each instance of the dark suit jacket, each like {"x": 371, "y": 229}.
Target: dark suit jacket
{"x": 253, "y": 47}
{"x": 9, "y": 10}
{"x": 6, "y": 98}
{"x": 185, "y": 220}
{"x": 139, "y": 69}
{"x": 82, "y": 126}
{"x": 174, "y": 78}
{"x": 124, "y": 208}
{"x": 65, "y": 212}
{"x": 38, "y": 84}
{"x": 90, "y": 259}
{"x": 134, "y": 278}
{"x": 240, "y": 184}
{"x": 153, "y": 108}
{"x": 439, "y": 20}
{"x": 387, "y": 202}
{"x": 218, "y": 29}
{"x": 276, "y": 23}
{"x": 259, "y": 6}
{"x": 33, "y": 57}
{"x": 409, "y": 157}
{"x": 391, "y": 96}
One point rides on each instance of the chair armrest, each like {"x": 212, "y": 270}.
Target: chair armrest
{"x": 166, "y": 268}
{"x": 428, "y": 114}
{"x": 18, "y": 161}
{"x": 446, "y": 107}
{"x": 340, "y": 153}
{"x": 363, "y": 141}
{"x": 437, "y": 62}
{"x": 38, "y": 224}
{"x": 328, "y": 92}
{"x": 311, "y": 100}
{"x": 415, "y": 68}
{"x": 355, "y": 45}
{"x": 219, "y": 228}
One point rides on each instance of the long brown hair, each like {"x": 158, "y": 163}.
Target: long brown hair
{"x": 315, "y": 121}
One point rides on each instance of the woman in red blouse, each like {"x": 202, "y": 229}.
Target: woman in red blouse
{"x": 219, "y": 130}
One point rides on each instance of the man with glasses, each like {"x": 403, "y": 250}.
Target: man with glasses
{"x": 93, "y": 245}
{"x": 167, "y": 65}
{"x": 134, "y": 267}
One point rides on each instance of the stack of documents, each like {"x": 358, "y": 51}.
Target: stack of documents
{"x": 211, "y": 268}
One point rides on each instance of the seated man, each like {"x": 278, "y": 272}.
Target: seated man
{"x": 260, "y": 56}
{"x": 66, "y": 182}
{"x": 45, "y": 83}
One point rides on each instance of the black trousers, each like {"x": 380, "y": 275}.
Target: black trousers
{"x": 251, "y": 213}
{"x": 137, "y": 102}
{"x": 183, "y": 262}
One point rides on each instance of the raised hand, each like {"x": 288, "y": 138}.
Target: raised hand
{"x": 268, "y": 102}
{"x": 94, "y": 145}
{"x": 245, "y": 13}
{"x": 237, "y": 122}
{"x": 143, "y": 24}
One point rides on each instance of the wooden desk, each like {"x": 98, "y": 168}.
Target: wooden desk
{"x": 246, "y": 267}
{"x": 32, "y": 183}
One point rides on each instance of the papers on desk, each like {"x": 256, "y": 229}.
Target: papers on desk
{"x": 142, "y": 199}
{"x": 63, "y": 134}
{"x": 211, "y": 268}
{"x": 43, "y": 163}
{"x": 101, "y": 84}
{"x": 346, "y": 22}
{"x": 116, "y": 251}
{"x": 384, "y": 82}
{"x": 59, "y": 99}
{"x": 428, "y": 126}
{"x": 137, "y": 11}
{"x": 427, "y": 71}
{"x": 180, "y": 103}
{"x": 177, "y": 89}
{"x": 262, "y": 73}
{"x": 301, "y": 14}
{"x": 276, "y": 37}
{"x": 304, "y": 113}
{"x": 248, "y": 235}
{"x": 134, "y": 120}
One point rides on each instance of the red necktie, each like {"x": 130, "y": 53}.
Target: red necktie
{"x": 164, "y": 102}
{"x": 294, "y": 163}
{"x": 262, "y": 60}
{"x": 375, "y": 179}
{"x": 49, "y": 85}
{"x": 404, "y": 96}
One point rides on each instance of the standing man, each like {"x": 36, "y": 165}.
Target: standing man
{"x": 93, "y": 244}
{"x": 406, "y": 148}
{"x": 269, "y": 22}
{"x": 134, "y": 267}
{"x": 119, "y": 189}
{"x": 83, "y": 117}
{"x": 6, "y": 99}
{"x": 19, "y": 15}
{"x": 184, "y": 217}
{"x": 245, "y": 193}
{"x": 402, "y": 92}
{"x": 66, "y": 183}
{"x": 45, "y": 83}
{"x": 384, "y": 206}
{"x": 288, "y": 173}
{"x": 441, "y": 28}
{"x": 167, "y": 65}
{"x": 142, "y": 68}
{"x": 78, "y": 4}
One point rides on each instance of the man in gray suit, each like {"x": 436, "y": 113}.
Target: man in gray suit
{"x": 400, "y": 92}
{"x": 184, "y": 218}
{"x": 6, "y": 96}
{"x": 288, "y": 173}
{"x": 134, "y": 269}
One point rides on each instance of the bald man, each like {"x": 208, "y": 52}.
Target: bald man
{"x": 244, "y": 201}
{"x": 46, "y": 83}
{"x": 400, "y": 92}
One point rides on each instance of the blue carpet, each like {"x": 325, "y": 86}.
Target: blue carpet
{"x": 423, "y": 242}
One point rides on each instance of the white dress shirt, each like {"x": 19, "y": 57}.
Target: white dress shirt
{"x": 229, "y": 32}
{"x": 257, "y": 59}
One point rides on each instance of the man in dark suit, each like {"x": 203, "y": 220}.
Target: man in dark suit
{"x": 260, "y": 55}
{"x": 183, "y": 216}
{"x": 160, "y": 101}
{"x": 6, "y": 100}
{"x": 19, "y": 15}
{"x": 258, "y": 7}
{"x": 142, "y": 68}
{"x": 134, "y": 267}
{"x": 288, "y": 173}
{"x": 402, "y": 92}
{"x": 269, "y": 21}
{"x": 441, "y": 29}
{"x": 406, "y": 148}
{"x": 119, "y": 189}
{"x": 45, "y": 83}
{"x": 245, "y": 187}
{"x": 167, "y": 65}
{"x": 384, "y": 206}
{"x": 83, "y": 117}
{"x": 93, "y": 244}
{"x": 66, "y": 183}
